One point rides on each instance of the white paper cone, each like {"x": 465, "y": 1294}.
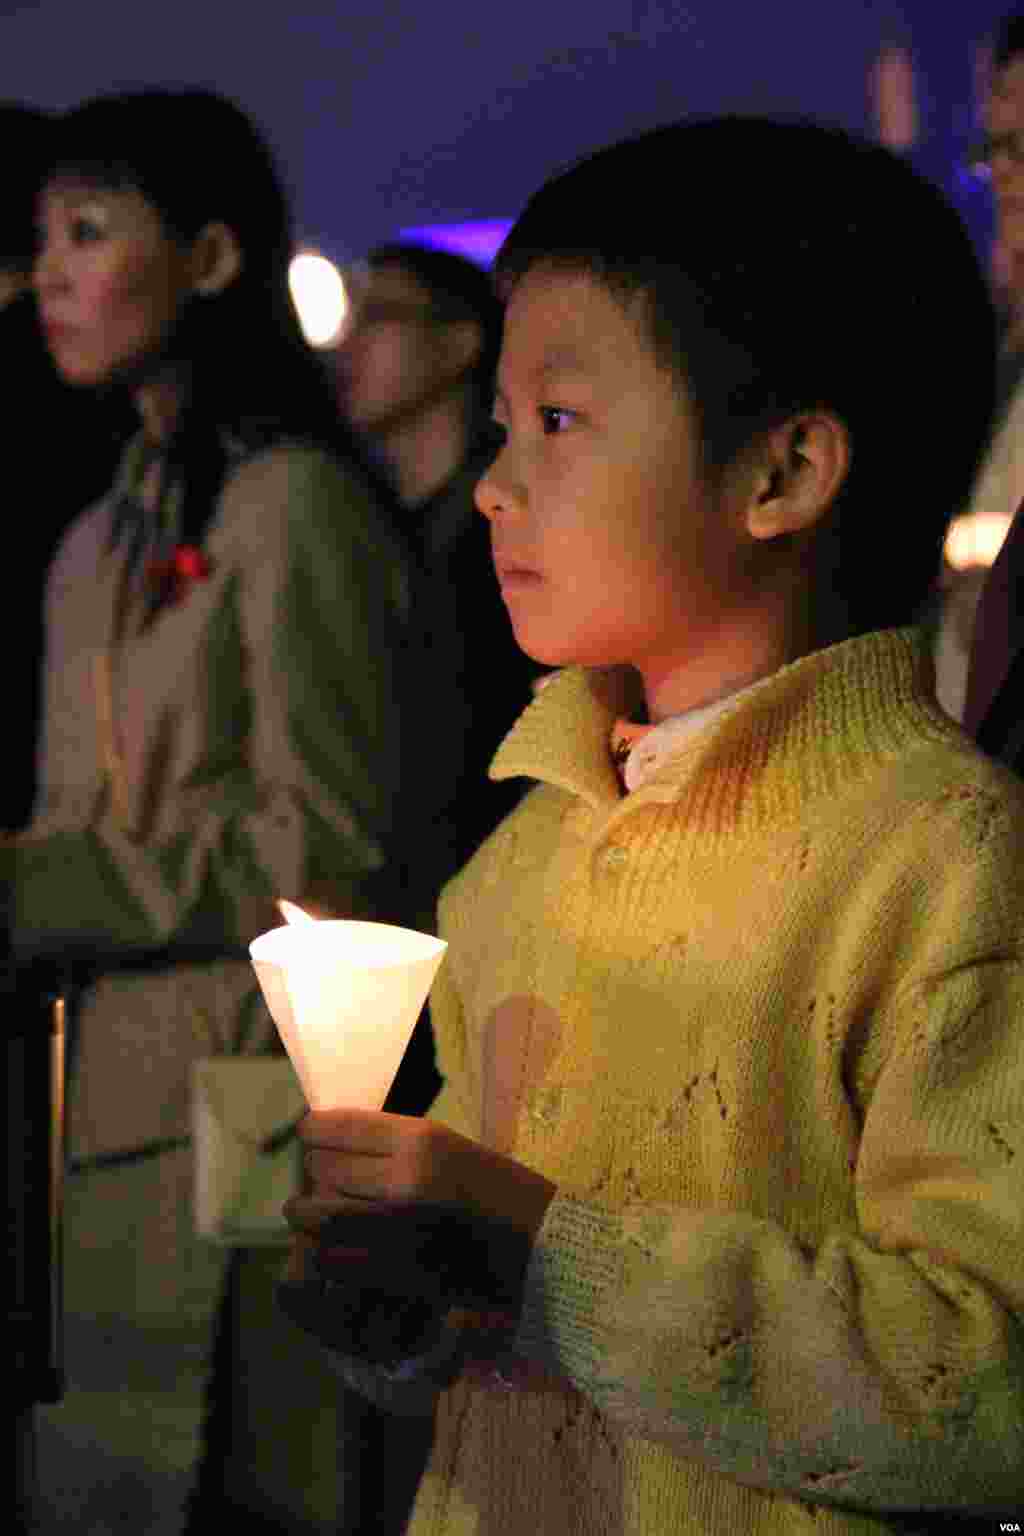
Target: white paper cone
{"x": 345, "y": 997}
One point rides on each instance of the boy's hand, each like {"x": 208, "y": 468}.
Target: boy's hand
{"x": 405, "y": 1219}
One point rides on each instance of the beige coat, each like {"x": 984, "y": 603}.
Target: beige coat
{"x": 195, "y": 763}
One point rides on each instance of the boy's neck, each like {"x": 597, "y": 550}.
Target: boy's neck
{"x": 751, "y": 648}
{"x": 699, "y": 684}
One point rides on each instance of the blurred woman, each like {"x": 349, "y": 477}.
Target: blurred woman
{"x": 224, "y": 634}
{"x": 39, "y": 409}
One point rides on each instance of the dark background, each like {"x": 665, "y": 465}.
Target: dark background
{"x": 389, "y": 113}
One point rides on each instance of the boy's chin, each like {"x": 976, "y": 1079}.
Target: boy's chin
{"x": 556, "y": 651}
{"x": 552, "y": 657}
{"x": 545, "y": 652}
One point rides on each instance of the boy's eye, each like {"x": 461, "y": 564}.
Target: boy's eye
{"x": 554, "y": 419}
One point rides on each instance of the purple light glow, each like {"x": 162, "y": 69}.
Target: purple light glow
{"x": 479, "y": 240}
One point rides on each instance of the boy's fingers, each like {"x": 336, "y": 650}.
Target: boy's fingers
{"x": 370, "y": 1323}
{"x": 365, "y": 1131}
{"x": 358, "y": 1244}
{"x": 321, "y": 1315}
{"x": 359, "y": 1176}
{"x": 397, "y": 1328}
{"x": 309, "y": 1214}
{"x": 401, "y": 1232}
{"x": 430, "y": 1251}
{"x": 330, "y": 1258}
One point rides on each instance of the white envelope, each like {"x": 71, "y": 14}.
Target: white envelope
{"x": 239, "y": 1104}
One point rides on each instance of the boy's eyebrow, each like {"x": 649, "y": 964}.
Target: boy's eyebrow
{"x": 561, "y": 359}
{"x": 555, "y": 363}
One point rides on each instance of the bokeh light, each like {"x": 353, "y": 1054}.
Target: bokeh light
{"x": 975, "y": 540}
{"x": 318, "y": 293}
{"x": 478, "y": 240}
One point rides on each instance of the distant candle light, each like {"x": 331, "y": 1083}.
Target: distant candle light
{"x": 318, "y": 293}
{"x": 975, "y": 540}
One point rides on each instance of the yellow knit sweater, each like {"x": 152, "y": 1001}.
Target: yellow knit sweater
{"x": 762, "y": 1022}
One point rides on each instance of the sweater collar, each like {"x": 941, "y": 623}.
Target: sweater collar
{"x": 794, "y": 734}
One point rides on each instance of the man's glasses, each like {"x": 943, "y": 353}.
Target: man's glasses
{"x": 364, "y": 316}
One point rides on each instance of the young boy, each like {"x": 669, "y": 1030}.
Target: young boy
{"x": 718, "y": 1221}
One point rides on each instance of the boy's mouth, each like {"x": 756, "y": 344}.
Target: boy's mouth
{"x": 510, "y": 575}
{"x": 506, "y": 564}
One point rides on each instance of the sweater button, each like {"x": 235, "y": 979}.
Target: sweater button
{"x": 614, "y": 856}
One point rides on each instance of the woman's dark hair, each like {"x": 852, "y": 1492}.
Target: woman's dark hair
{"x": 197, "y": 159}
{"x": 784, "y": 266}
{"x": 458, "y": 290}
{"x": 32, "y": 132}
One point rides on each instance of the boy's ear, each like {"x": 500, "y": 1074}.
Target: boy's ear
{"x": 799, "y": 473}
{"x": 216, "y": 259}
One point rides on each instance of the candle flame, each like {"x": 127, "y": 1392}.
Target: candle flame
{"x": 293, "y": 914}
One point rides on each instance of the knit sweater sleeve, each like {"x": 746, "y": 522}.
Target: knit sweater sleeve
{"x": 883, "y": 1371}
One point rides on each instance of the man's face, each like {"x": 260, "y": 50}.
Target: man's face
{"x": 608, "y": 545}
{"x": 393, "y": 364}
{"x": 1004, "y": 122}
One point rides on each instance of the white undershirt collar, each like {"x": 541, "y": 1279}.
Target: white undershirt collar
{"x": 665, "y": 738}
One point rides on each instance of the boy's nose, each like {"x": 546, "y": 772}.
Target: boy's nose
{"x": 485, "y": 495}
{"x": 492, "y": 496}
{"x": 497, "y": 492}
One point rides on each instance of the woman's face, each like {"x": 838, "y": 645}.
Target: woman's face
{"x": 110, "y": 281}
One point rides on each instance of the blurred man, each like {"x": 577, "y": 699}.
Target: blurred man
{"x": 1003, "y": 153}
{"x": 416, "y": 369}
{"x": 993, "y": 712}
{"x": 416, "y": 379}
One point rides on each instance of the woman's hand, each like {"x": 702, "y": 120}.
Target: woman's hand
{"x": 404, "y": 1220}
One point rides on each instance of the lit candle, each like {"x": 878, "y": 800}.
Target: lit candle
{"x": 293, "y": 914}
{"x": 345, "y": 996}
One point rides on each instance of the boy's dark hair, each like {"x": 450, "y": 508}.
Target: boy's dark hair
{"x": 1009, "y": 39}
{"x": 459, "y": 290}
{"x": 783, "y": 266}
